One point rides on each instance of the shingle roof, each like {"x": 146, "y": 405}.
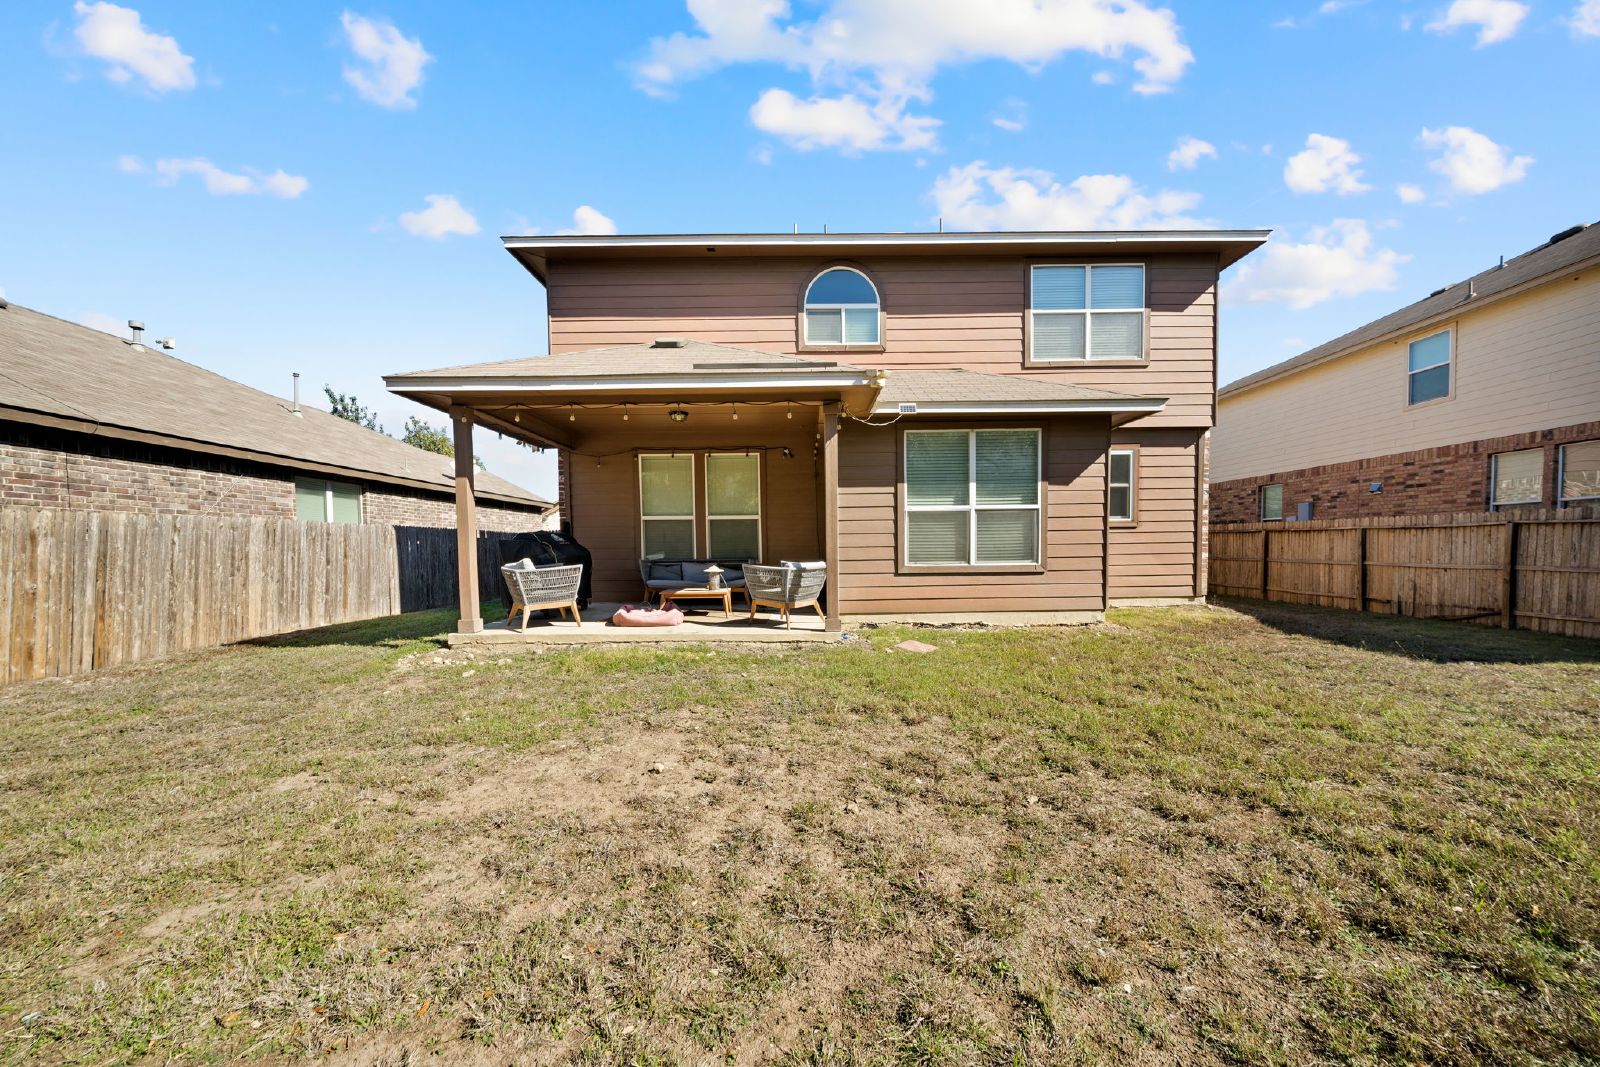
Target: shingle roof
{"x": 62, "y": 369}
{"x": 937, "y": 386}
{"x": 624, "y": 360}
{"x": 1551, "y": 258}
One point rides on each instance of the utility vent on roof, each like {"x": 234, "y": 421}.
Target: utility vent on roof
{"x": 669, "y": 342}
{"x": 1570, "y": 231}
{"x": 1436, "y": 292}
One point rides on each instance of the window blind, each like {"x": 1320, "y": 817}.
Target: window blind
{"x": 1116, "y": 287}
{"x": 1580, "y": 471}
{"x": 1519, "y": 477}
{"x": 1058, "y": 288}
{"x": 936, "y": 468}
{"x": 1007, "y": 466}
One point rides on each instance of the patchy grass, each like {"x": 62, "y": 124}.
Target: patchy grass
{"x": 1189, "y": 836}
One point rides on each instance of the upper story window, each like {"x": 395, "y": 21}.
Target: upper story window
{"x": 1428, "y": 376}
{"x": 842, "y": 308}
{"x": 321, "y": 500}
{"x": 1081, "y": 311}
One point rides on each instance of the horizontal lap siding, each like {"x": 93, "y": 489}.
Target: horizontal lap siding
{"x": 1156, "y": 557}
{"x": 868, "y": 582}
{"x": 965, "y": 311}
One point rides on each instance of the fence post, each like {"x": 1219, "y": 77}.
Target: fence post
{"x": 1361, "y": 568}
{"x": 1508, "y": 579}
{"x": 1265, "y": 534}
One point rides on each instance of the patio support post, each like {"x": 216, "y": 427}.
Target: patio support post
{"x": 471, "y": 620}
{"x": 830, "y": 513}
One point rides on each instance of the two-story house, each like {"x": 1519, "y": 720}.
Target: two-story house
{"x": 1485, "y": 395}
{"x": 960, "y": 425}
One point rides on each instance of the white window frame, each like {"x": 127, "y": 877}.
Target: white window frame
{"x": 972, "y": 507}
{"x": 1448, "y": 361}
{"x": 1261, "y": 505}
{"x": 1562, "y": 499}
{"x": 694, "y": 495}
{"x": 1088, "y": 311}
{"x": 1133, "y": 484}
{"x": 806, "y": 307}
{"x": 710, "y": 518}
{"x": 1495, "y": 503}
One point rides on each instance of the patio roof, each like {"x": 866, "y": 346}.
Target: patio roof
{"x": 964, "y": 392}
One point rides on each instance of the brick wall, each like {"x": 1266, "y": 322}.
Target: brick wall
{"x": 49, "y": 468}
{"x": 1433, "y": 480}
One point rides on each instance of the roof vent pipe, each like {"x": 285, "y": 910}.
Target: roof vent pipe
{"x": 296, "y": 409}
{"x": 138, "y": 332}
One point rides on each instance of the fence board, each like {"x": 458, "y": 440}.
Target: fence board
{"x": 1534, "y": 569}
{"x": 83, "y": 589}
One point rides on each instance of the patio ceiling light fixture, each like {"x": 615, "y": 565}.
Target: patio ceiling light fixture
{"x": 678, "y": 415}
{"x": 736, "y": 413}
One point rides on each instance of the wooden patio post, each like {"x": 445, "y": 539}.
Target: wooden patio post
{"x": 830, "y": 513}
{"x": 471, "y": 620}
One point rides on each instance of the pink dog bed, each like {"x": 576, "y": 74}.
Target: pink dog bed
{"x": 628, "y": 615}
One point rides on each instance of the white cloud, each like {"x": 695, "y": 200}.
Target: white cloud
{"x": 1103, "y": 77}
{"x": 844, "y": 122}
{"x": 392, "y": 63}
{"x": 1188, "y": 153}
{"x": 1326, "y": 163}
{"x": 117, "y": 35}
{"x": 1585, "y": 19}
{"x": 867, "y": 59}
{"x": 443, "y": 216}
{"x": 218, "y": 182}
{"x": 1497, "y": 20}
{"x": 980, "y": 197}
{"x": 1015, "y": 119}
{"x": 1335, "y": 260}
{"x": 588, "y": 221}
{"x": 1410, "y": 194}
{"x": 1471, "y": 162}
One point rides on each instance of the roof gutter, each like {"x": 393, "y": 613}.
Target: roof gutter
{"x": 1121, "y": 411}
{"x": 642, "y": 382}
{"x": 875, "y": 240}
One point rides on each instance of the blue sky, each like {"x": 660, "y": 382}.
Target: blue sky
{"x": 319, "y": 188}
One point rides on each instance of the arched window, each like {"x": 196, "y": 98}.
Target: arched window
{"x": 841, "y": 309}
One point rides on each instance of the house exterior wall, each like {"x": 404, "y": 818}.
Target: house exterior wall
{"x": 947, "y": 311}
{"x": 1424, "y": 482}
{"x": 49, "y": 468}
{"x": 1155, "y": 556}
{"x": 1525, "y": 364}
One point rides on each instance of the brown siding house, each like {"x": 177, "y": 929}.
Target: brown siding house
{"x": 89, "y": 421}
{"x": 1483, "y": 396}
{"x": 960, "y": 425}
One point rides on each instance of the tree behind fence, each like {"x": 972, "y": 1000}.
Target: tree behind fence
{"x": 86, "y": 589}
{"x": 1539, "y": 570}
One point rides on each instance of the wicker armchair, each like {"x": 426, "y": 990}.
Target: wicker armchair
{"x": 793, "y": 585}
{"x": 537, "y": 588}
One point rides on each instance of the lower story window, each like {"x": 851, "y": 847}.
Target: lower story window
{"x": 1121, "y": 506}
{"x": 1516, "y": 479}
{"x": 666, "y": 506}
{"x": 733, "y": 505}
{"x": 1580, "y": 473}
{"x": 972, "y": 497}
{"x": 1271, "y": 502}
{"x": 321, "y": 500}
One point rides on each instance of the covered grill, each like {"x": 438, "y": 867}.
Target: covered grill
{"x": 549, "y": 549}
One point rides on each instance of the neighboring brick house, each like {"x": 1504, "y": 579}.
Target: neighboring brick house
{"x": 95, "y": 422}
{"x": 1484, "y": 396}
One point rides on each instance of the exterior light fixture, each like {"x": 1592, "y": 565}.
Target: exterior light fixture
{"x": 678, "y": 415}
{"x": 736, "y": 413}
{"x": 624, "y": 413}
{"x": 572, "y": 416}
{"x": 516, "y": 416}
{"x": 788, "y": 411}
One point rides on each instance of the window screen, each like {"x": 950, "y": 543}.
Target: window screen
{"x": 972, "y": 497}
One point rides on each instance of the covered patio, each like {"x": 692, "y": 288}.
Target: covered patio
{"x": 699, "y": 625}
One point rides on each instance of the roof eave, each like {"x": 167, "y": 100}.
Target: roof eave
{"x": 665, "y": 383}
{"x": 1121, "y": 411}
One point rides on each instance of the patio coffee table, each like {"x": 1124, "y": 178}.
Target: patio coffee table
{"x": 725, "y": 594}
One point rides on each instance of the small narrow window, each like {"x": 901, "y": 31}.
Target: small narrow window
{"x": 1517, "y": 479}
{"x": 1429, "y": 375}
{"x": 972, "y": 497}
{"x": 1271, "y": 502}
{"x": 842, "y": 308}
{"x": 666, "y": 506}
{"x": 1580, "y": 473}
{"x": 1087, "y": 312}
{"x": 733, "y": 505}
{"x": 321, "y": 500}
{"x": 1121, "y": 506}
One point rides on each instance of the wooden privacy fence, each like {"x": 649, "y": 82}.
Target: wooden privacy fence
{"x": 1535, "y": 569}
{"x": 86, "y": 589}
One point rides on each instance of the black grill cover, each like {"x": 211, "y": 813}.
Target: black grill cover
{"x": 548, "y": 549}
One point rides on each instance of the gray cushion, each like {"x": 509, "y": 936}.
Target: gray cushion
{"x": 665, "y": 569}
{"x": 664, "y": 583}
{"x": 694, "y": 571}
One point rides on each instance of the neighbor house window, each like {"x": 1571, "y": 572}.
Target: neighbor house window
{"x": 972, "y": 497}
{"x": 1580, "y": 473}
{"x": 1086, "y": 312}
{"x": 1429, "y": 375}
{"x": 1123, "y": 461}
{"x": 733, "y": 505}
{"x": 321, "y": 500}
{"x": 1516, "y": 478}
{"x": 666, "y": 506}
{"x": 842, "y": 308}
{"x": 1271, "y": 502}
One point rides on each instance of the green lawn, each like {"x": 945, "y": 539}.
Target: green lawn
{"x": 1188, "y": 836}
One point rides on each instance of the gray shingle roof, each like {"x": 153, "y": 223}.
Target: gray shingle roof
{"x": 1546, "y": 260}
{"x": 624, "y": 360}
{"x": 934, "y": 386}
{"x": 62, "y": 369}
